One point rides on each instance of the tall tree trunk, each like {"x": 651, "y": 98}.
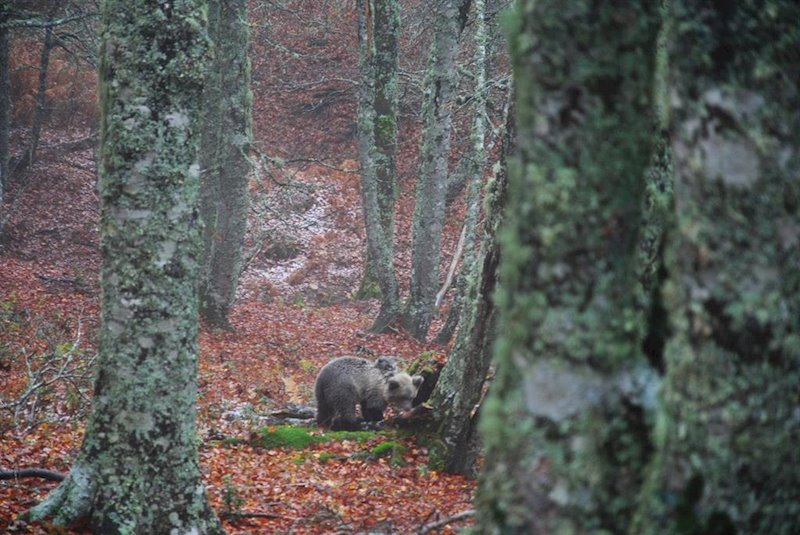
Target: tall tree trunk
{"x": 429, "y": 209}
{"x": 385, "y": 32}
{"x": 40, "y": 111}
{"x": 566, "y": 422}
{"x": 137, "y": 470}
{"x": 377, "y": 134}
{"x": 727, "y": 458}
{"x": 5, "y": 105}
{"x": 459, "y": 388}
{"x": 227, "y": 135}
{"x": 473, "y": 168}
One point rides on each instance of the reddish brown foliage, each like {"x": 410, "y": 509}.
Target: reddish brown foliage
{"x": 49, "y": 272}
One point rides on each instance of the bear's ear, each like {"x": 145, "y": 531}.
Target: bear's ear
{"x": 394, "y": 384}
{"x": 386, "y": 364}
{"x": 417, "y": 380}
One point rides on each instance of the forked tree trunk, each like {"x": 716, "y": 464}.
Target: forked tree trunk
{"x": 137, "y": 470}
{"x": 226, "y": 138}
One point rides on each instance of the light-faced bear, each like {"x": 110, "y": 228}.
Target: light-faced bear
{"x": 346, "y": 382}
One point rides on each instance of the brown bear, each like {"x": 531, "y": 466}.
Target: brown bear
{"x": 345, "y": 382}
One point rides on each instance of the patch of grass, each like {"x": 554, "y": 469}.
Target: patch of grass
{"x": 325, "y": 457}
{"x": 286, "y": 436}
{"x": 389, "y": 448}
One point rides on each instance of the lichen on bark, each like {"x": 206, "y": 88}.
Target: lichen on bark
{"x": 566, "y": 421}
{"x": 728, "y": 428}
{"x": 431, "y": 187}
{"x": 224, "y": 158}
{"x": 137, "y": 470}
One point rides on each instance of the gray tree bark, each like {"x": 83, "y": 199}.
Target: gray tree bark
{"x": 5, "y": 104}
{"x": 226, "y": 139}
{"x": 377, "y": 137}
{"x": 429, "y": 208}
{"x": 138, "y": 470}
{"x": 726, "y": 436}
{"x": 383, "y": 24}
{"x": 459, "y": 388}
{"x": 565, "y": 424}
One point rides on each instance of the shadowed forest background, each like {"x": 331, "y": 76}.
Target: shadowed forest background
{"x": 578, "y": 221}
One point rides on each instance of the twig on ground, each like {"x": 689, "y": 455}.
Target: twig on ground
{"x": 444, "y": 521}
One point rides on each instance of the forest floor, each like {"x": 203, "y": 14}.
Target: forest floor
{"x": 294, "y": 312}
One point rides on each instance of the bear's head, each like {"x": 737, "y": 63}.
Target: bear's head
{"x": 401, "y": 389}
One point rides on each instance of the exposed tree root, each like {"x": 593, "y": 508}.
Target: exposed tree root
{"x": 22, "y": 473}
{"x": 70, "y": 502}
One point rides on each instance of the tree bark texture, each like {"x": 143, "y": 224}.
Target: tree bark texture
{"x": 566, "y": 422}
{"x": 137, "y": 470}
{"x": 459, "y": 388}
{"x": 226, "y": 139}
{"x": 377, "y": 117}
{"x": 429, "y": 209}
{"x": 728, "y": 428}
{"x": 5, "y": 104}
{"x": 386, "y": 35}
{"x": 474, "y": 167}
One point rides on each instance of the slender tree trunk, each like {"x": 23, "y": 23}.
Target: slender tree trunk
{"x": 377, "y": 134}
{"x": 386, "y": 28}
{"x": 228, "y": 105}
{"x": 429, "y": 209}
{"x": 137, "y": 470}
{"x": 40, "y": 111}
{"x": 460, "y": 386}
{"x": 566, "y": 421}
{"x": 727, "y": 458}
{"x": 473, "y": 170}
{"x": 5, "y": 105}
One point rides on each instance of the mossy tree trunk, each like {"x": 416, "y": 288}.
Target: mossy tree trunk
{"x": 384, "y": 26}
{"x": 137, "y": 470}
{"x": 378, "y": 22}
{"x": 460, "y": 385}
{"x": 5, "y": 104}
{"x": 429, "y": 208}
{"x": 473, "y": 168}
{"x": 728, "y": 429}
{"x": 226, "y": 138}
{"x": 565, "y": 424}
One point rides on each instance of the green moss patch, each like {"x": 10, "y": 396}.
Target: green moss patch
{"x": 286, "y": 436}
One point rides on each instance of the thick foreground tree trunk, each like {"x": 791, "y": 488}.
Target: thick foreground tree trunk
{"x": 137, "y": 470}
{"x": 226, "y": 138}
{"x": 565, "y": 424}
{"x": 727, "y": 435}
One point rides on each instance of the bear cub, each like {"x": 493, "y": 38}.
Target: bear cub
{"x": 345, "y": 382}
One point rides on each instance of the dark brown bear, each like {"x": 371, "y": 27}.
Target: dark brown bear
{"x": 346, "y": 382}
